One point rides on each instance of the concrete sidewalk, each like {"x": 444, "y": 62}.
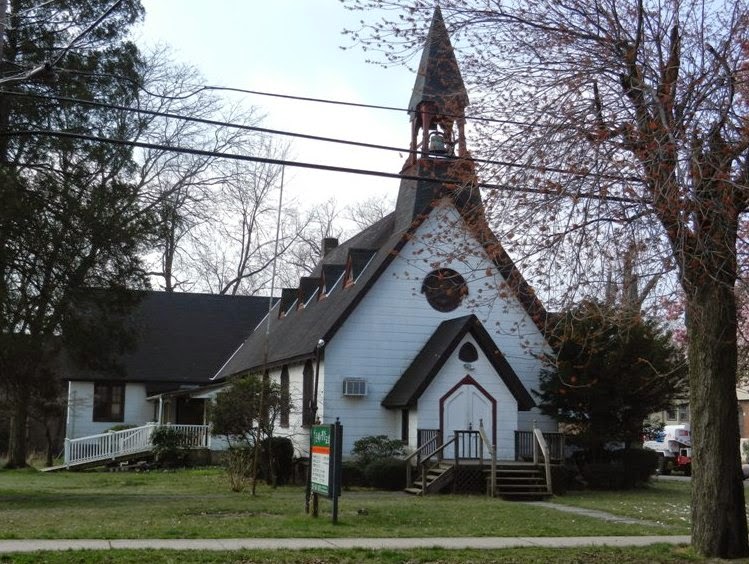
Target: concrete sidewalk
{"x": 7, "y": 546}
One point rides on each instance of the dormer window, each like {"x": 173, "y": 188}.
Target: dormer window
{"x": 356, "y": 262}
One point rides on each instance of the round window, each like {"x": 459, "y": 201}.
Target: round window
{"x": 444, "y": 289}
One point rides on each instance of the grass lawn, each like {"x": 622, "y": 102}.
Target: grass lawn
{"x": 664, "y": 502}
{"x": 199, "y": 504}
{"x": 656, "y": 553}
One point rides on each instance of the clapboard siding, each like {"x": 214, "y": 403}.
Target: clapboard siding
{"x": 80, "y": 421}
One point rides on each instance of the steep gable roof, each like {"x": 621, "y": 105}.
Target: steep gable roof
{"x": 295, "y": 335}
{"x": 181, "y": 338}
{"x": 433, "y": 355}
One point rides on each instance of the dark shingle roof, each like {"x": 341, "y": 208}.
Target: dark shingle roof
{"x": 435, "y": 353}
{"x": 294, "y": 336}
{"x": 182, "y": 338}
{"x": 438, "y": 79}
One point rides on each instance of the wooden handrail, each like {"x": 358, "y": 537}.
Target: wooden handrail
{"x": 417, "y": 453}
{"x": 539, "y": 436}
{"x": 422, "y": 462}
{"x": 493, "y": 453}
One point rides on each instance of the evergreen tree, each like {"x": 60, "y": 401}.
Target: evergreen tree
{"x": 612, "y": 370}
{"x": 71, "y": 217}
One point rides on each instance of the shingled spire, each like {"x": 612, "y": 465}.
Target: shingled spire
{"x": 439, "y": 96}
{"x": 440, "y": 158}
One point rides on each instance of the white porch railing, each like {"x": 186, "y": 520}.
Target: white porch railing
{"x": 112, "y": 445}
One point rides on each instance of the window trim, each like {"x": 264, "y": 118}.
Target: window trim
{"x": 308, "y": 384}
{"x": 285, "y": 397}
{"x": 103, "y": 402}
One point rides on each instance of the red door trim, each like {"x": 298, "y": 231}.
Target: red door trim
{"x": 469, "y": 381}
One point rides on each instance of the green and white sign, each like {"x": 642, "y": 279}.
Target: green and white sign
{"x": 321, "y": 469}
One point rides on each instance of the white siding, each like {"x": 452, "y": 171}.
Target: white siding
{"x": 298, "y": 433}
{"x": 81, "y": 422}
{"x": 393, "y": 322}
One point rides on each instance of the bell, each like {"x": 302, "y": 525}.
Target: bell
{"x": 437, "y": 144}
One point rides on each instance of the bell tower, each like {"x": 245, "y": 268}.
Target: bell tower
{"x": 439, "y": 163}
{"x": 439, "y": 98}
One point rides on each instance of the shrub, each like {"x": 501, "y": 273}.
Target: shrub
{"x": 168, "y": 447}
{"x": 639, "y": 464}
{"x": 372, "y": 448}
{"x": 352, "y": 474}
{"x": 239, "y": 467}
{"x": 561, "y": 479}
{"x": 386, "y": 474}
{"x": 624, "y": 469}
{"x": 120, "y": 427}
{"x": 280, "y": 469}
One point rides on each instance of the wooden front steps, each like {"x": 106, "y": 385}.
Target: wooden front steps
{"x": 517, "y": 481}
{"x": 437, "y": 478}
{"x": 521, "y": 481}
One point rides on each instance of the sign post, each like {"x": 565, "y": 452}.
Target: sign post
{"x": 326, "y": 449}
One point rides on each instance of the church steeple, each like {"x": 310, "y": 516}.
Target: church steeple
{"x": 439, "y": 96}
{"x": 439, "y": 164}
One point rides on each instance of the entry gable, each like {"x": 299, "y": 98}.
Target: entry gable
{"x": 430, "y": 359}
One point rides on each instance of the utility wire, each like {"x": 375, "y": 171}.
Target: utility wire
{"x": 208, "y": 87}
{"x": 219, "y": 123}
{"x": 314, "y": 166}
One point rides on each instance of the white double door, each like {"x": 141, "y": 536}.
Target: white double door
{"x": 464, "y": 410}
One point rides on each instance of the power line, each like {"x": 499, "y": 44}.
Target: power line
{"x": 314, "y": 166}
{"x": 257, "y": 129}
{"x": 208, "y": 87}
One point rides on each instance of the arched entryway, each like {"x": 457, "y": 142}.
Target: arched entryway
{"x": 465, "y": 406}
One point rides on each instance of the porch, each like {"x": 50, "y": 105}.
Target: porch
{"x": 467, "y": 462}
{"x": 128, "y": 444}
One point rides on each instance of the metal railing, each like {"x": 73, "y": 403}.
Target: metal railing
{"x": 114, "y": 444}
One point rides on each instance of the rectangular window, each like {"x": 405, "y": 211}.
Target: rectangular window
{"x": 404, "y": 426}
{"x": 109, "y": 401}
{"x": 308, "y": 403}
{"x": 671, "y": 414}
{"x": 285, "y": 400}
{"x": 684, "y": 413}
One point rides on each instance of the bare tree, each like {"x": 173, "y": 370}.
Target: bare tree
{"x": 183, "y": 188}
{"x": 364, "y": 213}
{"x": 235, "y": 248}
{"x": 617, "y": 120}
{"x": 320, "y": 221}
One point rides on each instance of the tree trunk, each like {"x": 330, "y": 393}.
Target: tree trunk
{"x": 719, "y": 526}
{"x": 18, "y": 430}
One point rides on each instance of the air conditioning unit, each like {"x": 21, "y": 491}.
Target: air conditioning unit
{"x": 354, "y": 387}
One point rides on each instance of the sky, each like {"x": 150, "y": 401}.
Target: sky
{"x": 293, "y": 47}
